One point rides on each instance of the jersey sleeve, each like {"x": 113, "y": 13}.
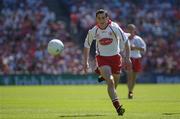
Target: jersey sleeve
{"x": 89, "y": 39}
{"x": 141, "y": 43}
{"x": 123, "y": 38}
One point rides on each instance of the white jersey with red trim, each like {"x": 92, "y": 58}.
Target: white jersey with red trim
{"x": 138, "y": 42}
{"x": 109, "y": 41}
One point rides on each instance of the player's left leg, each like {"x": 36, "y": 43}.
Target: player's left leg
{"x": 136, "y": 68}
{"x": 121, "y": 110}
{"x": 131, "y": 83}
{"x": 116, "y": 69}
{"x": 106, "y": 73}
{"x": 134, "y": 74}
{"x": 106, "y": 70}
{"x": 116, "y": 79}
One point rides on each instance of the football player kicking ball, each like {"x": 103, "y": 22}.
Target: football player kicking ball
{"x": 137, "y": 46}
{"x": 109, "y": 37}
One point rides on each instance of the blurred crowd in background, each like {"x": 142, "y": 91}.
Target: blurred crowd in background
{"x": 26, "y": 26}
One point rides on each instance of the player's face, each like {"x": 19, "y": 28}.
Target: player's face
{"x": 102, "y": 20}
{"x": 131, "y": 30}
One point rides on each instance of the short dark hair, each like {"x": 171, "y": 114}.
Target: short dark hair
{"x": 101, "y": 11}
{"x": 131, "y": 27}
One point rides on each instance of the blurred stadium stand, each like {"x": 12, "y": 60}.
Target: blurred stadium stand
{"x": 26, "y": 26}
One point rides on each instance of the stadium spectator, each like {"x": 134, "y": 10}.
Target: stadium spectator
{"x": 26, "y": 28}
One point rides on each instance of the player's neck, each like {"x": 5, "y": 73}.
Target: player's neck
{"x": 103, "y": 27}
{"x": 131, "y": 37}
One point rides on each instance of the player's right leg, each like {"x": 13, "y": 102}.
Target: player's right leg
{"x": 107, "y": 75}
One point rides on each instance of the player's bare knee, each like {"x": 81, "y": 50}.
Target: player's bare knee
{"x": 110, "y": 82}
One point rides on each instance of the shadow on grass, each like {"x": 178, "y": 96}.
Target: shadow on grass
{"x": 171, "y": 113}
{"x": 82, "y": 115}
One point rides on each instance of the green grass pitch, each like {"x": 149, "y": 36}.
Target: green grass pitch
{"x": 151, "y": 101}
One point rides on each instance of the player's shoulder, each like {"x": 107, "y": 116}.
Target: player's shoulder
{"x": 94, "y": 29}
{"x": 127, "y": 34}
{"x": 114, "y": 24}
{"x": 116, "y": 27}
{"x": 138, "y": 37}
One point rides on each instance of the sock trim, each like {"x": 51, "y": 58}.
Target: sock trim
{"x": 114, "y": 100}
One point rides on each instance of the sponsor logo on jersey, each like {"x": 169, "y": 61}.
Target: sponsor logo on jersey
{"x": 105, "y": 41}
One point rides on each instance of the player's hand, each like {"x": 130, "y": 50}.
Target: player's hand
{"x": 86, "y": 67}
{"x": 133, "y": 47}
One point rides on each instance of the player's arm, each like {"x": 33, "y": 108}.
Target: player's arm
{"x": 126, "y": 48}
{"x": 141, "y": 46}
{"x": 124, "y": 43}
{"x": 87, "y": 45}
{"x": 133, "y": 47}
{"x": 86, "y": 58}
{"x": 127, "y": 60}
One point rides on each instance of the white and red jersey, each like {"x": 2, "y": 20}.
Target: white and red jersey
{"x": 137, "y": 41}
{"x": 109, "y": 41}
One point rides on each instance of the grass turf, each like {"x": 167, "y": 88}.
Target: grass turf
{"x": 151, "y": 101}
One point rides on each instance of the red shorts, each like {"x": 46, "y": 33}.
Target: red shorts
{"x": 136, "y": 64}
{"x": 115, "y": 62}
